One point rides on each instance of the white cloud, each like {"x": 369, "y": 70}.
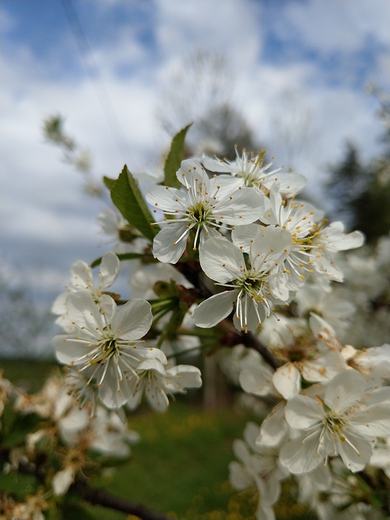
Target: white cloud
{"x": 41, "y": 197}
{"x": 338, "y": 25}
{"x": 231, "y": 27}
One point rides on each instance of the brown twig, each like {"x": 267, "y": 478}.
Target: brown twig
{"x": 250, "y": 341}
{"x": 101, "y": 497}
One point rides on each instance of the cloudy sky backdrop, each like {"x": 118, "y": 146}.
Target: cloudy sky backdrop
{"x": 324, "y": 53}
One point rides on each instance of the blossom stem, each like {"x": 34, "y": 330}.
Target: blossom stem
{"x": 200, "y": 333}
{"x": 193, "y": 349}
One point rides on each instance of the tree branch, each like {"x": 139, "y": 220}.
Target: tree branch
{"x": 101, "y": 497}
{"x": 250, "y": 341}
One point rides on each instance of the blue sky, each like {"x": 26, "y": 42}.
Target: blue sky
{"x": 321, "y": 54}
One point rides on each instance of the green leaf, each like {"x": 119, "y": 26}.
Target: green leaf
{"x": 8, "y": 418}
{"x": 128, "y": 198}
{"x": 18, "y": 484}
{"x": 20, "y": 428}
{"x": 122, "y": 256}
{"x": 109, "y": 183}
{"x": 175, "y": 156}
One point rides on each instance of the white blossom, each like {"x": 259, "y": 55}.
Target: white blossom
{"x": 253, "y": 172}
{"x": 314, "y": 357}
{"x": 117, "y": 230}
{"x": 201, "y": 205}
{"x": 253, "y": 288}
{"x": 336, "y": 307}
{"x": 82, "y": 280}
{"x": 373, "y": 363}
{"x": 157, "y": 382}
{"x": 339, "y": 424}
{"x": 104, "y": 339}
{"x": 142, "y": 280}
{"x": 110, "y": 435}
{"x": 314, "y": 246}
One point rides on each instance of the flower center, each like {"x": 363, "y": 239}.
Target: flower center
{"x": 107, "y": 347}
{"x": 252, "y": 284}
{"x": 199, "y": 212}
{"x": 334, "y": 423}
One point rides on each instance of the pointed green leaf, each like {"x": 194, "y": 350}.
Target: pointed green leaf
{"x": 123, "y": 256}
{"x": 128, "y": 198}
{"x": 109, "y": 183}
{"x": 175, "y": 156}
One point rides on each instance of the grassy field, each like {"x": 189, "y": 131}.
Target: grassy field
{"x": 180, "y": 466}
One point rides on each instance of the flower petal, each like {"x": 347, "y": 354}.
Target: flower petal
{"x": 166, "y": 246}
{"x": 221, "y": 260}
{"x": 166, "y": 199}
{"x": 109, "y": 269}
{"x": 256, "y": 380}
{"x": 303, "y": 412}
{"x": 83, "y": 311}
{"x": 274, "y": 428}
{"x": 71, "y": 351}
{"x": 81, "y": 275}
{"x": 287, "y": 380}
{"x": 242, "y": 236}
{"x": 300, "y": 455}
{"x": 214, "y": 309}
{"x": 344, "y": 390}
{"x": 242, "y": 207}
{"x": 133, "y": 320}
{"x": 354, "y": 451}
{"x": 113, "y": 391}
{"x": 184, "y": 376}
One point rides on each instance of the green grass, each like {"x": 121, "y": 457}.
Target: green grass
{"x": 28, "y": 374}
{"x": 181, "y": 463}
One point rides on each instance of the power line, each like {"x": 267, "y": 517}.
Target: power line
{"x": 96, "y": 79}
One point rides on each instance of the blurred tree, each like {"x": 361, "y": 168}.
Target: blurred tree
{"x": 200, "y": 90}
{"x": 293, "y": 126}
{"x": 360, "y": 192}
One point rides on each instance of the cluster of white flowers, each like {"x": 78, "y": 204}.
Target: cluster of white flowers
{"x": 102, "y": 347}
{"x": 264, "y": 261}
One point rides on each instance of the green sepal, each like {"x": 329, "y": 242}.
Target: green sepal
{"x": 162, "y": 305}
{"x": 108, "y": 182}
{"x": 122, "y": 256}
{"x": 176, "y": 319}
{"x": 128, "y": 198}
{"x": 175, "y": 156}
{"x": 166, "y": 289}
